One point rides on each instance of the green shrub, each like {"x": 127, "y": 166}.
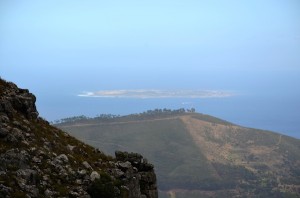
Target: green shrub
{"x": 102, "y": 188}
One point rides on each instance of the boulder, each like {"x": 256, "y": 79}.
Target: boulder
{"x": 28, "y": 176}
{"x": 87, "y": 165}
{"x": 94, "y": 175}
{"x": 15, "y": 100}
{"x": 138, "y": 174}
{"x": 3, "y": 132}
{"x": 62, "y": 159}
{"x": 5, "y": 191}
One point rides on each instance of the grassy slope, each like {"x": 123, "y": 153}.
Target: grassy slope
{"x": 165, "y": 143}
{"x": 197, "y": 151}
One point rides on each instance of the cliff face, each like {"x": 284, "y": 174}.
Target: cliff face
{"x": 39, "y": 160}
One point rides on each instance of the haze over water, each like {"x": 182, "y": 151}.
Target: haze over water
{"x": 61, "y": 49}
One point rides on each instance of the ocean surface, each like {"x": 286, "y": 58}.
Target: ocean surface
{"x": 278, "y": 114}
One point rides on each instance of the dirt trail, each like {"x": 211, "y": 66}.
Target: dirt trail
{"x": 279, "y": 141}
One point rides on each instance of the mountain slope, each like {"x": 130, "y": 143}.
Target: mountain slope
{"x": 39, "y": 160}
{"x": 199, "y": 155}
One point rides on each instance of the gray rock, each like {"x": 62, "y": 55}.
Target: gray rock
{"x": 28, "y": 176}
{"x": 7, "y": 107}
{"x": 3, "y": 125}
{"x": 78, "y": 181}
{"x": 26, "y": 122}
{"x": 4, "y": 118}
{"x": 5, "y": 191}
{"x": 14, "y": 157}
{"x": 124, "y": 165}
{"x": 3, "y": 132}
{"x": 94, "y": 175}
{"x": 46, "y": 177}
{"x": 32, "y": 191}
{"x": 73, "y": 194}
{"x": 84, "y": 196}
{"x": 49, "y": 193}
{"x": 82, "y": 173}
{"x": 20, "y": 101}
{"x": 18, "y": 134}
{"x": 78, "y": 192}
{"x": 62, "y": 158}
{"x": 133, "y": 158}
{"x": 11, "y": 138}
{"x": 36, "y": 160}
{"x": 41, "y": 153}
{"x": 138, "y": 175}
{"x": 118, "y": 173}
{"x": 70, "y": 147}
{"x": 16, "y": 123}
{"x": 32, "y": 149}
{"x": 87, "y": 165}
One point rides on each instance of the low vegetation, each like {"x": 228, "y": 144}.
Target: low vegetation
{"x": 200, "y": 155}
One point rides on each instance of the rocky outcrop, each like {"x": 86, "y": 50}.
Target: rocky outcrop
{"x": 39, "y": 160}
{"x": 17, "y": 101}
{"x": 137, "y": 173}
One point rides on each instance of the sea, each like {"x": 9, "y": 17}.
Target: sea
{"x": 267, "y": 112}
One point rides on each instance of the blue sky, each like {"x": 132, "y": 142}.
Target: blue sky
{"x": 63, "y": 48}
{"x": 147, "y": 40}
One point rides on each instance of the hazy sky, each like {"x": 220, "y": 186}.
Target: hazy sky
{"x": 68, "y": 47}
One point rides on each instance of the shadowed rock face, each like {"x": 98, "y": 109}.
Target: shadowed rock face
{"x": 19, "y": 101}
{"x": 39, "y": 160}
{"x": 133, "y": 163}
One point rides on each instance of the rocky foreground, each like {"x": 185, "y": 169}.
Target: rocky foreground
{"x": 39, "y": 160}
